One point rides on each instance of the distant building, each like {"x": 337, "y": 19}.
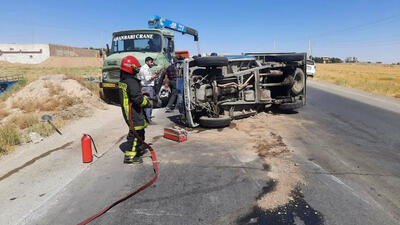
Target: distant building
{"x": 325, "y": 60}
{"x": 37, "y": 53}
{"x": 351, "y": 60}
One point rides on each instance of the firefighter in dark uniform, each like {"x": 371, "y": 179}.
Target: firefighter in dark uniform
{"x": 130, "y": 92}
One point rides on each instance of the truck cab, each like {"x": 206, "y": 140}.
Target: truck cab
{"x": 156, "y": 43}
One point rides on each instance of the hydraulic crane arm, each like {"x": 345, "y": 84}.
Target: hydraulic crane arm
{"x": 157, "y": 22}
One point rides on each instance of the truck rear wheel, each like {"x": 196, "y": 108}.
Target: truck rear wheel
{"x": 299, "y": 81}
{"x": 290, "y": 106}
{"x": 209, "y": 122}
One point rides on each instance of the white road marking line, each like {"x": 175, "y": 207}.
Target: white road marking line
{"x": 149, "y": 212}
{"x": 345, "y": 185}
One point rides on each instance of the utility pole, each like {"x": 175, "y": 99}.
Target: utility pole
{"x": 274, "y": 45}
{"x": 102, "y": 40}
{"x": 309, "y": 48}
{"x": 102, "y": 45}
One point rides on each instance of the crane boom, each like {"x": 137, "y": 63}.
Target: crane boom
{"x": 157, "y": 22}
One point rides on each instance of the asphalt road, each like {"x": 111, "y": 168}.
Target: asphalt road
{"x": 192, "y": 188}
{"x": 348, "y": 150}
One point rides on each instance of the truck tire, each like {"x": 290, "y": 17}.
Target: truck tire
{"x": 214, "y": 122}
{"x": 299, "y": 81}
{"x": 290, "y": 106}
{"x": 111, "y": 96}
{"x": 210, "y": 61}
{"x": 106, "y": 96}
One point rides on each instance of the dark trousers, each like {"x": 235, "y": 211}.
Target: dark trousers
{"x": 150, "y": 91}
{"x": 174, "y": 93}
{"x": 134, "y": 144}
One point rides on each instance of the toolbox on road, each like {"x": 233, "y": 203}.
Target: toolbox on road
{"x": 175, "y": 134}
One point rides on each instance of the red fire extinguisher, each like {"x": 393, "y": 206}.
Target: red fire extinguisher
{"x": 87, "y": 155}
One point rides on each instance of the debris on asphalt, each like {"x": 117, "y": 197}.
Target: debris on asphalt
{"x": 255, "y": 137}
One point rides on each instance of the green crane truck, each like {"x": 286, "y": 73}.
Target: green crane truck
{"x": 156, "y": 42}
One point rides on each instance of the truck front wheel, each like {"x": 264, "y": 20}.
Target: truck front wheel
{"x": 110, "y": 95}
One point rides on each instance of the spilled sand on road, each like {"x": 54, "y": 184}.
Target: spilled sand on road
{"x": 255, "y": 137}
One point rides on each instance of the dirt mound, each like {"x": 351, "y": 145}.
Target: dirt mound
{"x": 52, "y": 93}
{"x": 256, "y": 138}
{"x": 57, "y": 61}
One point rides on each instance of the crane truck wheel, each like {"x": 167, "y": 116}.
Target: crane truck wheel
{"x": 299, "y": 81}
{"x": 209, "y": 122}
{"x": 208, "y": 61}
{"x": 106, "y": 96}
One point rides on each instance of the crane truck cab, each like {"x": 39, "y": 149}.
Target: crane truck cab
{"x": 156, "y": 43}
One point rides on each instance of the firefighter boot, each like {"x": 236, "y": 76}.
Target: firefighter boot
{"x": 132, "y": 157}
{"x": 142, "y": 149}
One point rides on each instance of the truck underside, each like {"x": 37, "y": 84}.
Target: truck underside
{"x": 219, "y": 89}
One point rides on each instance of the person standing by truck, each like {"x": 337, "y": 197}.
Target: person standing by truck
{"x": 130, "y": 92}
{"x": 172, "y": 74}
{"x": 147, "y": 81}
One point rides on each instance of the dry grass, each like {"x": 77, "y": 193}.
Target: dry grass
{"x": 32, "y": 72}
{"x": 9, "y": 137}
{"x": 54, "y": 89}
{"x": 378, "y": 79}
{"x": 3, "y": 112}
{"x": 45, "y": 129}
{"x": 25, "y": 120}
{"x": 53, "y": 103}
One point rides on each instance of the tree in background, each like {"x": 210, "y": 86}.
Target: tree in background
{"x": 327, "y": 60}
{"x": 336, "y": 60}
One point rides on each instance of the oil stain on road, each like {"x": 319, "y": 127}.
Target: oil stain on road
{"x": 296, "y": 211}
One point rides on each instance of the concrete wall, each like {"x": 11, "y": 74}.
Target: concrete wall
{"x": 37, "y": 53}
{"x": 24, "y": 53}
{"x": 60, "y": 50}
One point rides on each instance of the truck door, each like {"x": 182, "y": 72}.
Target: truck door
{"x": 169, "y": 47}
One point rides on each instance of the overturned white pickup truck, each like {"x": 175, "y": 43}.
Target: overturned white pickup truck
{"x": 216, "y": 89}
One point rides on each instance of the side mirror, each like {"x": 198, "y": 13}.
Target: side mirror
{"x": 108, "y": 50}
{"x": 170, "y": 46}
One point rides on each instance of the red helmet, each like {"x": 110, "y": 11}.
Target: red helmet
{"x": 130, "y": 65}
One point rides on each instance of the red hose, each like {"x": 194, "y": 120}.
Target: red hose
{"x": 148, "y": 184}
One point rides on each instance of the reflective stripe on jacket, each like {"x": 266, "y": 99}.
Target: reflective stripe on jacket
{"x": 130, "y": 92}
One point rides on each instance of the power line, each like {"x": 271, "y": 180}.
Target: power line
{"x": 362, "y": 46}
{"x": 363, "y": 25}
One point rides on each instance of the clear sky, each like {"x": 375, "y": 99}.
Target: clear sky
{"x": 369, "y": 30}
